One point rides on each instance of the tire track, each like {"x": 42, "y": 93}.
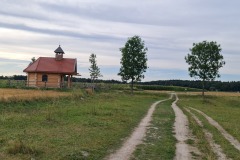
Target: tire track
{"x": 209, "y": 137}
{"x": 182, "y": 133}
{"x": 214, "y": 123}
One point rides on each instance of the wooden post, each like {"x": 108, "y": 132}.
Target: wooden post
{"x": 27, "y": 83}
{"x": 69, "y": 81}
{"x": 62, "y": 81}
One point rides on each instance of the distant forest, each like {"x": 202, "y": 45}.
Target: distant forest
{"x": 211, "y": 86}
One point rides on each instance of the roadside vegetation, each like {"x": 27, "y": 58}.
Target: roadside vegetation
{"x": 223, "y": 108}
{"x": 76, "y": 126}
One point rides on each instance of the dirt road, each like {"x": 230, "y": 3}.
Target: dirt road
{"x": 125, "y": 152}
{"x": 181, "y": 133}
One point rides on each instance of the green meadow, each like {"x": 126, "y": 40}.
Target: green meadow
{"x": 71, "y": 124}
{"x": 74, "y": 127}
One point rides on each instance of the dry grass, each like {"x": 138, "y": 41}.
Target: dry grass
{"x": 89, "y": 91}
{"x": 220, "y": 94}
{"x": 16, "y": 147}
{"x": 21, "y": 94}
{"x": 155, "y": 91}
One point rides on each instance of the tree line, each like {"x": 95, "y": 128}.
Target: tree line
{"x": 233, "y": 86}
{"x": 209, "y": 85}
{"x": 14, "y": 77}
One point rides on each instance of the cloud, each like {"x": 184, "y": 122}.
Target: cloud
{"x": 10, "y": 67}
{"x": 83, "y": 27}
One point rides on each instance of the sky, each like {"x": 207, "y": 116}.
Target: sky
{"x": 168, "y": 27}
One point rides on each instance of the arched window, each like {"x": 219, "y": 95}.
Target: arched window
{"x": 44, "y": 78}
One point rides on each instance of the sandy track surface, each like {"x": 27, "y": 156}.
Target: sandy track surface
{"x": 125, "y": 152}
{"x": 181, "y": 133}
{"x": 215, "y": 147}
{"x": 229, "y": 137}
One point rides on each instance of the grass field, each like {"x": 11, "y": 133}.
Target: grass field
{"x": 47, "y": 124}
{"x": 72, "y": 127}
{"x": 222, "y": 107}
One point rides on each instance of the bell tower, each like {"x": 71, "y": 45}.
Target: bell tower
{"x": 59, "y": 53}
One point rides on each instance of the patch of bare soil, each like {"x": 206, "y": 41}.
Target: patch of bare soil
{"x": 125, "y": 152}
{"x": 182, "y": 133}
{"x": 214, "y": 123}
{"x": 215, "y": 147}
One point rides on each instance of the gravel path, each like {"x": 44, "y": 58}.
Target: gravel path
{"x": 125, "y": 152}
{"x": 215, "y": 147}
{"x": 229, "y": 137}
{"x": 181, "y": 133}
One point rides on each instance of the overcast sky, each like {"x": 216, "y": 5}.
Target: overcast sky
{"x": 169, "y": 28}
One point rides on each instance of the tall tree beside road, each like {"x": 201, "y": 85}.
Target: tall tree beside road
{"x": 133, "y": 61}
{"x": 205, "y": 61}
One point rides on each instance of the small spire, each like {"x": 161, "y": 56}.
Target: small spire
{"x": 59, "y": 50}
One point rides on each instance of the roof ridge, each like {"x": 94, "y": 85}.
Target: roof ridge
{"x": 55, "y": 58}
{"x": 38, "y": 62}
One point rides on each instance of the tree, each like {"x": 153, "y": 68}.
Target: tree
{"x": 94, "y": 69}
{"x": 133, "y": 61}
{"x": 33, "y": 59}
{"x": 205, "y": 60}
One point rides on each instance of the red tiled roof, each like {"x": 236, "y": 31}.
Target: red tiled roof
{"x": 51, "y": 65}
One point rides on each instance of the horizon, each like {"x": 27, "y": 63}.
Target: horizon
{"x": 78, "y": 77}
{"x": 169, "y": 29}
